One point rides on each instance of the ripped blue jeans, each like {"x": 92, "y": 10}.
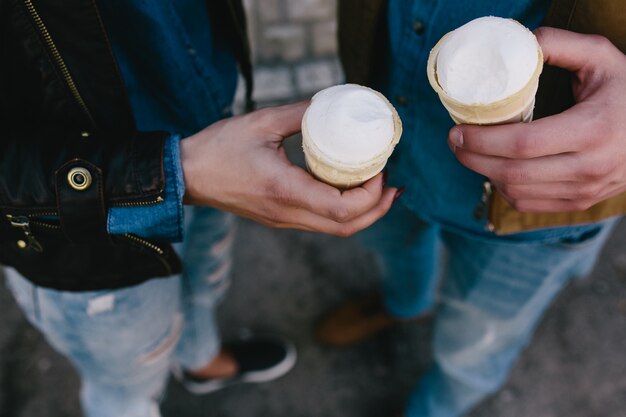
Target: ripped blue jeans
{"x": 123, "y": 342}
{"x": 489, "y": 297}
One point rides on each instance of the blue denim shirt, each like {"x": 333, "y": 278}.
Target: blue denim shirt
{"x": 438, "y": 188}
{"x": 179, "y": 80}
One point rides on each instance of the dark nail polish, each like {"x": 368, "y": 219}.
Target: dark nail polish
{"x": 399, "y": 193}
{"x": 385, "y": 174}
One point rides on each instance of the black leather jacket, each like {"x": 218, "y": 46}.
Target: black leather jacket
{"x": 69, "y": 148}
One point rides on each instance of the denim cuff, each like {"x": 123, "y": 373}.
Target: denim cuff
{"x": 160, "y": 221}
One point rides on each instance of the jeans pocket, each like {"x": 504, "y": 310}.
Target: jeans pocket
{"x": 590, "y": 235}
{"x": 582, "y": 240}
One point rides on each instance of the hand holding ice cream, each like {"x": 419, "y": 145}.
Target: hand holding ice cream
{"x": 239, "y": 165}
{"x": 570, "y": 161}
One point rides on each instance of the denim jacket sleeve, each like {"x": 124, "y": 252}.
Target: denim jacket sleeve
{"x": 159, "y": 221}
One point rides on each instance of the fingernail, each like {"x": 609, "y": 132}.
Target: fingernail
{"x": 385, "y": 174}
{"x": 456, "y": 137}
{"x": 399, "y": 193}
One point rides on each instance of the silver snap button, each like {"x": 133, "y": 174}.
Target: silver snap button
{"x": 79, "y": 178}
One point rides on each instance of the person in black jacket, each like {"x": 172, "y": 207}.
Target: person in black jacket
{"x": 94, "y": 174}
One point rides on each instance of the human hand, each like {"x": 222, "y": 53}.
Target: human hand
{"x": 566, "y": 162}
{"x": 239, "y": 165}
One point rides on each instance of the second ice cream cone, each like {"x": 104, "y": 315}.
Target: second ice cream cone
{"x": 517, "y": 107}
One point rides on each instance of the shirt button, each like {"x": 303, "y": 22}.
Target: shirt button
{"x": 418, "y": 27}
{"x": 79, "y": 178}
{"x": 402, "y": 100}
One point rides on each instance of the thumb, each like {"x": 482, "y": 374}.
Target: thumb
{"x": 569, "y": 50}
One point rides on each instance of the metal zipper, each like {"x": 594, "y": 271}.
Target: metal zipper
{"x": 45, "y": 225}
{"x": 42, "y": 213}
{"x": 154, "y": 248}
{"x": 157, "y": 200}
{"x": 145, "y": 243}
{"x": 58, "y": 58}
{"x": 482, "y": 208}
{"x": 23, "y": 223}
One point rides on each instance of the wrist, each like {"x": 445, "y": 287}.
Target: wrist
{"x": 188, "y": 148}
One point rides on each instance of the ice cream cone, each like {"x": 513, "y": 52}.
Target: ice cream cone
{"x": 517, "y": 107}
{"x": 342, "y": 174}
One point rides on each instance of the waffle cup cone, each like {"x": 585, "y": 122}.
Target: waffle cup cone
{"x": 344, "y": 175}
{"x": 515, "y": 108}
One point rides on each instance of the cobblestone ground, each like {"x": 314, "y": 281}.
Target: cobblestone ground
{"x": 284, "y": 280}
{"x": 294, "y": 47}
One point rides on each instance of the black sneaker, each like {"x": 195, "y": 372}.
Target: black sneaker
{"x": 261, "y": 358}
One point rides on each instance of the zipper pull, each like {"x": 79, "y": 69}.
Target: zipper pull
{"x": 23, "y": 222}
{"x": 482, "y": 208}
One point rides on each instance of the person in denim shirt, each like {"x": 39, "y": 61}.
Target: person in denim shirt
{"x": 493, "y": 289}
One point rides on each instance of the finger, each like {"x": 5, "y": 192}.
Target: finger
{"x": 301, "y": 219}
{"x": 300, "y": 189}
{"x": 565, "y": 132}
{"x": 556, "y": 168}
{"x": 287, "y": 120}
{"x": 570, "y": 50}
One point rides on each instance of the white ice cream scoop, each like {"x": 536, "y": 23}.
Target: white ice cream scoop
{"x": 348, "y": 132}
{"x": 487, "y": 71}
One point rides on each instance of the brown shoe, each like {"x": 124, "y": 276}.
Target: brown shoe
{"x": 356, "y": 321}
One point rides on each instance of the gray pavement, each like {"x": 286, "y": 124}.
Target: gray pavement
{"x": 284, "y": 280}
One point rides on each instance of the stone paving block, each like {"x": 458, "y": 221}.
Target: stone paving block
{"x": 311, "y": 9}
{"x": 272, "y": 84}
{"x": 325, "y": 38}
{"x": 269, "y": 10}
{"x": 314, "y": 76}
{"x": 286, "y": 42}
